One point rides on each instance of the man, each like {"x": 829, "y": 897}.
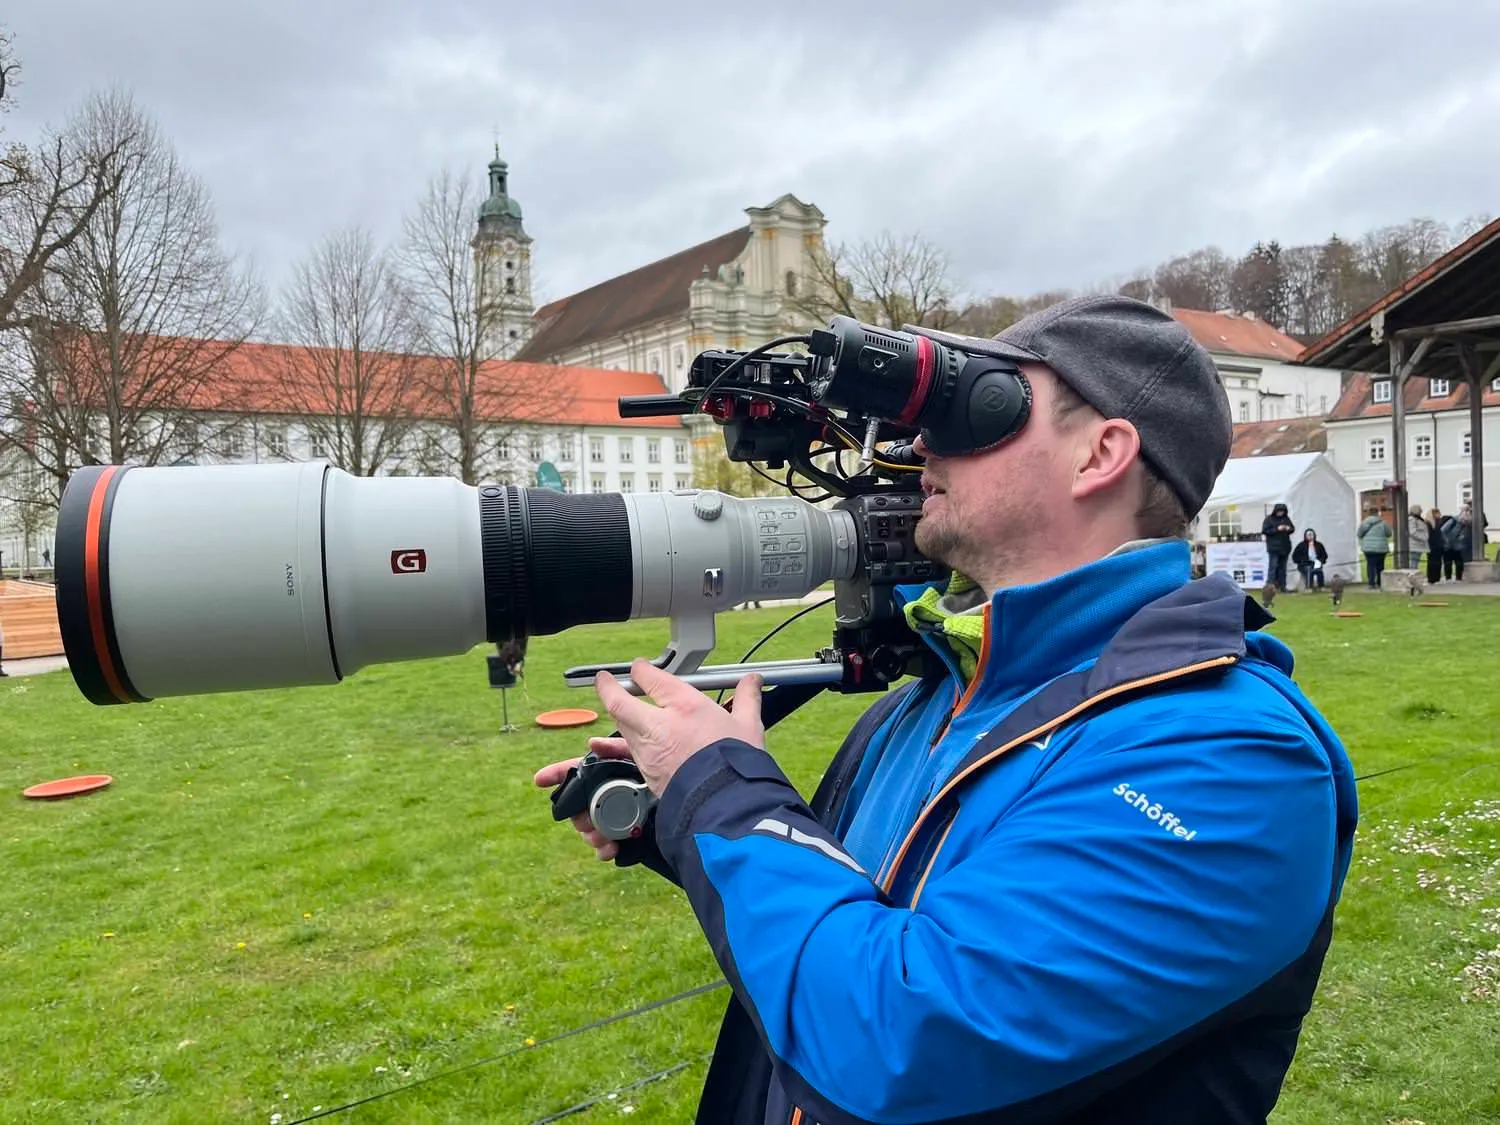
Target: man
{"x": 1277, "y": 530}
{"x": 1085, "y": 872}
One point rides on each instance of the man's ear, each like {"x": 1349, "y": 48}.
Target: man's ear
{"x": 1106, "y": 451}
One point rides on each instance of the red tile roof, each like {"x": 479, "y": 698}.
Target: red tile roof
{"x": 1275, "y": 437}
{"x": 1358, "y": 399}
{"x": 259, "y": 378}
{"x": 1238, "y": 334}
{"x": 652, "y": 292}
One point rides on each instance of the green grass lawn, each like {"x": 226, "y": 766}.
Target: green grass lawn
{"x": 292, "y": 900}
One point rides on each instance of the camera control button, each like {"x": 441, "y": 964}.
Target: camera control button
{"x": 708, "y": 505}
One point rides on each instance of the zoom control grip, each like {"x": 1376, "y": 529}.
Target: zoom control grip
{"x": 611, "y": 793}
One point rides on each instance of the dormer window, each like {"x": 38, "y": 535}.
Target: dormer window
{"x": 1382, "y": 390}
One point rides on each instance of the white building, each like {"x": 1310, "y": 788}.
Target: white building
{"x": 574, "y": 425}
{"x": 732, "y": 291}
{"x": 1438, "y": 435}
{"x": 1255, "y": 360}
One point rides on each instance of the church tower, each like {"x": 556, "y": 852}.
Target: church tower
{"x": 502, "y": 267}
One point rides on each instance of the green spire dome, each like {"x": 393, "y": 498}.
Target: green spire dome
{"x": 499, "y": 205}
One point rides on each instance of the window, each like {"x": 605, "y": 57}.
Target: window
{"x": 535, "y": 443}
{"x": 564, "y": 448}
{"x": 510, "y": 285}
{"x": 1375, "y": 450}
{"x": 316, "y": 445}
{"x": 653, "y": 451}
{"x": 1224, "y": 524}
{"x": 1301, "y": 406}
{"x": 232, "y": 442}
{"x": 1244, "y": 411}
{"x": 1495, "y": 385}
{"x": 1438, "y": 388}
{"x": 569, "y": 480}
{"x": 627, "y": 482}
{"x": 653, "y": 362}
{"x": 276, "y": 441}
{"x": 679, "y": 358}
{"x": 1465, "y": 494}
{"x": 1422, "y": 447}
{"x": 596, "y": 482}
{"x": 791, "y": 283}
{"x": 1382, "y": 390}
{"x": 502, "y": 449}
{"x": 627, "y": 449}
{"x": 1466, "y": 447}
{"x": 1322, "y": 404}
{"x": 680, "y": 451}
{"x": 596, "y": 450}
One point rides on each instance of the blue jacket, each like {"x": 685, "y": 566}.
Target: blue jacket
{"x": 1095, "y": 885}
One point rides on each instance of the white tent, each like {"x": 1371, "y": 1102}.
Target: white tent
{"x": 1315, "y": 494}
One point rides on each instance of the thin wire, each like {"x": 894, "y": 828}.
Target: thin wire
{"x": 756, "y": 646}
{"x": 701, "y": 989}
{"x": 612, "y": 1094}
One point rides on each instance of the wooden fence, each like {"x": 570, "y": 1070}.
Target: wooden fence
{"x": 28, "y": 617}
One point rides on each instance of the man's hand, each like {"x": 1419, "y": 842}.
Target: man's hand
{"x": 684, "y": 721}
{"x": 550, "y": 777}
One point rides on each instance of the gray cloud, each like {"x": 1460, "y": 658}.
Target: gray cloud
{"x": 1043, "y": 144}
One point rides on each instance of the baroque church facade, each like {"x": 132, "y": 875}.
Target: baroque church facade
{"x": 735, "y": 290}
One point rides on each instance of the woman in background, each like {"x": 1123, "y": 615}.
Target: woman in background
{"x": 1308, "y": 557}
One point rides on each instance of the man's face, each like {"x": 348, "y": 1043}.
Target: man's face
{"x": 988, "y": 514}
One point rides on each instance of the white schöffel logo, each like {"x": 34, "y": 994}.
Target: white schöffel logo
{"x": 1153, "y": 809}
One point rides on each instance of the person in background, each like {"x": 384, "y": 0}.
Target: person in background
{"x": 1277, "y": 530}
{"x": 1374, "y": 536}
{"x": 1417, "y": 536}
{"x": 1458, "y": 541}
{"x": 1436, "y": 552}
{"x": 1309, "y": 557}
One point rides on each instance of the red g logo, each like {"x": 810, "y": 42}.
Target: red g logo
{"x": 408, "y": 562}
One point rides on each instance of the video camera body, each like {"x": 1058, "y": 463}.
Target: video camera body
{"x": 187, "y": 580}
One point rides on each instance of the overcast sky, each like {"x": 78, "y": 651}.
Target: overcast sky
{"x": 1043, "y": 144}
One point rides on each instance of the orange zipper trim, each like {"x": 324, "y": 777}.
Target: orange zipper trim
{"x": 796, "y": 1117}
{"x": 957, "y": 779}
{"x": 917, "y": 897}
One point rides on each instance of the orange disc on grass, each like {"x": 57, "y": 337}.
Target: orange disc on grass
{"x": 567, "y": 717}
{"x": 68, "y": 786}
{"x": 1348, "y": 613}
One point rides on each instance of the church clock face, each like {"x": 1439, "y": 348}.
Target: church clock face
{"x": 509, "y": 245}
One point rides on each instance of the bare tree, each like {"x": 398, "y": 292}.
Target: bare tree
{"x": 351, "y": 374}
{"x": 481, "y": 400}
{"x": 886, "y": 280}
{"x": 132, "y": 322}
{"x": 48, "y": 196}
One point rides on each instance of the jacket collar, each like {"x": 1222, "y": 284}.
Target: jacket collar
{"x": 1134, "y": 611}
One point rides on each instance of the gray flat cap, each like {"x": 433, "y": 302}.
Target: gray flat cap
{"x": 1128, "y": 359}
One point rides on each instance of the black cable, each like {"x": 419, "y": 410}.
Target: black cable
{"x": 753, "y": 648}
{"x": 701, "y": 989}
{"x": 742, "y": 360}
{"x": 607, "y": 1096}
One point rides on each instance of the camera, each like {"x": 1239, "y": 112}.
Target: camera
{"x": 188, "y": 580}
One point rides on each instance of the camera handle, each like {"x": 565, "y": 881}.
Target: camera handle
{"x": 692, "y": 639}
{"x": 615, "y": 798}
